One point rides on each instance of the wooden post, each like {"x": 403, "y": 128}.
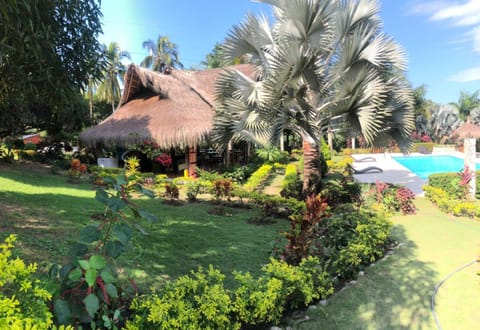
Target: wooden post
{"x": 192, "y": 161}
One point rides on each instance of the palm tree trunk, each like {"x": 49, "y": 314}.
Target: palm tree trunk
{"x": 113, "y": 105}
{"x": 311, "y": 168}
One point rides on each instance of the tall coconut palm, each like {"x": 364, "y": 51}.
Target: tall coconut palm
{"x": 318, "y": 60}
{"x": 162, "y": 54}
{"x": 109, "y": 88}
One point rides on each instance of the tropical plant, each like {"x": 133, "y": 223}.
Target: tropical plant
{"x": 162, "y": 54}
{"x": 89, "y": 292}
{"x": 319, "y": 60}
{"x": 467, "y": 102}
{"x": 109, "y": 89}
{"x": 48, "y": 51}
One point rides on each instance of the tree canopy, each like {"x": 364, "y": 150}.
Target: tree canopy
{"x": 162, "y": 54}
{"x": 319, "y": 60}
{"x": 48, "y": 51}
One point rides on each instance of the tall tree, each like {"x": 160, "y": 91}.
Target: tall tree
{"x": 467, "y": 102}
{"x": 109, "y": 88}
{"x": 214, "y": 59}
{"x": 48, "y": 50}
{"x": 318, "y": 60}
{"x": 162, "y": 54}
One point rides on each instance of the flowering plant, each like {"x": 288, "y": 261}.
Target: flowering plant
{"x": 149, "y": 148}
{"x": 76, "y": 169}
{"x": 164, "y": 160}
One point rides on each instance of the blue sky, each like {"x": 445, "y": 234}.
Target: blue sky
{"x": 441, "y": 37}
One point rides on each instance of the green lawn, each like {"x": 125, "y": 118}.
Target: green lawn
{"x": 47, "y": 214}
{"x": 395, "y": 293}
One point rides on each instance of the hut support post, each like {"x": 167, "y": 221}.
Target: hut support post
{"x": 470, "y": 156}
{"x": 192, "y": 161}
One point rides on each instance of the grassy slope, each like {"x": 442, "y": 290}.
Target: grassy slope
{"x": 395, "y": 293}
{"x": 47, "y": 214}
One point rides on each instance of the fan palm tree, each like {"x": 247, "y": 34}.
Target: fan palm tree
{"x": 162, "y": 54}
{"x": 320, "y": 59}
{"x": 109, "y": 89}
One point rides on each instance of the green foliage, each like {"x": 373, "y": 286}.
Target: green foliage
{"x": 89, "y": 291}
{"x": 325, "y": 150}
{"x": 304, "y": 229}
{"x": 447, "y": 203}
{"x": 23, "y": 300}
{"x": 352, "y": 239}
{"x": 240, "y": 174}
{"x": 197, "y": 187}
{"x": 271, "y": 154}
{"x": 55, "y": 42}
{"x": 201, "y": 301}
{"x": 257, "y": 179}
{"x": 132, "y": 166}
{"x": 292, "y": 184}
{"x": 393, "y": 198}
{"x": 450, "y": 183}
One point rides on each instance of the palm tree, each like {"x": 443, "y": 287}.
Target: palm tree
{"x": 162, "y": 54}
{"x": 320, "y": 59}
{"x": 109, "y": 89}
{"x": 466, "y": 103}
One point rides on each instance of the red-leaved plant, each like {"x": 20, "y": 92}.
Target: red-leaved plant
{"x": 304, "y": 229}
{"x": 465, "y": 177}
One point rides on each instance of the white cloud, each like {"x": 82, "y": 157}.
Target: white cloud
{"x": 472, "y": 74}
{"x": 463, "y": 13}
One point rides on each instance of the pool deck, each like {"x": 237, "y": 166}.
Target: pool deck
{"x": 393, "y": 172}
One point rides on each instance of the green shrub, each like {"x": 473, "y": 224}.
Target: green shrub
{"x": 423, "y": 146}
{"x": 197, "y": 187}
{"x": 367, "y": 245}
{"x": 257, "y": 179}
{"x": 445, "y": 203}
{"x": 199, "y": 301}
{"x": 272, "y": 155}
{"x": 23, "y": 301}
{"x": 292, "y": 184}
{"x": 240, "y": 174}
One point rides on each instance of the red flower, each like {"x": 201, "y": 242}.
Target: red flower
{"x": 164, "y": 159}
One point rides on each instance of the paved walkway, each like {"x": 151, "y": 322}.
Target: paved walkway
{"x": 393, "y": 171}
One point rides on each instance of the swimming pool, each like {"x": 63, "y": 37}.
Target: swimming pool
{"x": 423, "y": 166}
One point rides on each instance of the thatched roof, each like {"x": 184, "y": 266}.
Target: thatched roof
{"x": 173, "y": 109}
{"x": 468, "y": 130}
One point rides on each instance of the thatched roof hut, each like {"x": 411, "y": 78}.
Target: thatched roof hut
{"x": 173, "y": 110}
{"x": 467, "y": 130}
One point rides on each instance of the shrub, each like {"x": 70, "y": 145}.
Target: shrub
{"x": 23, "y": 301}
{"x": 196, "y": 187}
{"x": 272, "y": 155}
{"x": 304, "y": 229}
{"x": 257, "y": 179}
{"x": 199, "y": 301}
{"x": 240, "y": 174}
{"x": 222, "y": 188}
{"x": 89, "y": 293}
{"x": 352, "y": 239}
{"x": 292, "y": 184}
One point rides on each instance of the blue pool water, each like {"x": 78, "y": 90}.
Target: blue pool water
{"x": 423, "y": 166}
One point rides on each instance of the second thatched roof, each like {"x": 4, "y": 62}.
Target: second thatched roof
{"x": 173, "y": 110}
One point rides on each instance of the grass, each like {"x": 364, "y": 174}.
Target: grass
{"x": 395, "y": 293}
{"x": 47, "y": 214}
